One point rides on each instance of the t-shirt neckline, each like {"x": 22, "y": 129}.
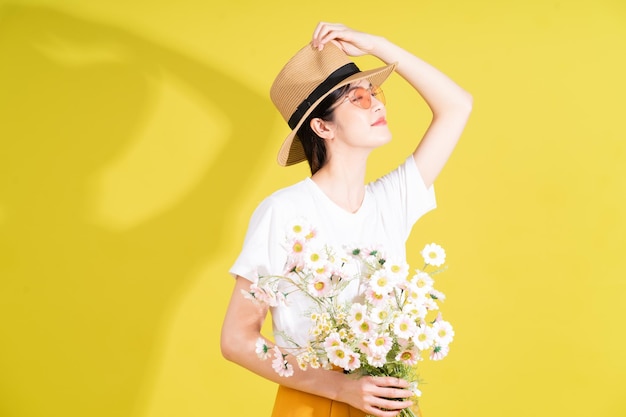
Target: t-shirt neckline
{"x": 334, "y": 206}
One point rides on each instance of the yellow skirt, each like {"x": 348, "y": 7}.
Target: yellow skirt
{"x": 293, "y": 403}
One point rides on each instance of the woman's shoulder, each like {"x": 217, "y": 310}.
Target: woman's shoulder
{"x": 287, "y": 198}
{"x": 406, "y": 168}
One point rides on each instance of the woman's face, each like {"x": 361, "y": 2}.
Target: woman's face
{"x": 356, "y": 127}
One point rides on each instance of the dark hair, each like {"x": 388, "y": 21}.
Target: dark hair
{"x": 314, "y": 146}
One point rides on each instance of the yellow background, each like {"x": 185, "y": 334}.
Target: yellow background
{"x": 136, "y": 138}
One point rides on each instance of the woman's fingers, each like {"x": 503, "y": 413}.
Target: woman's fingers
{"x": 350, "y": 41}
{"x": 390, "y": 381}
{"x": 390, "y": 394}
{"x": 325, "y": 32}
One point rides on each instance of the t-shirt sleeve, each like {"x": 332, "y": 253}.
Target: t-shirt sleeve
{"x": 263, "y": 252}
{"x": 404, "y": 194}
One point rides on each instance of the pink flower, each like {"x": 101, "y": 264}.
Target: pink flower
{"x": 353, "y": 362}
{"x": 280, "y": 365}
{"x": 439, "y": 352}
{"x": 381, "y": 344}
{"x": 332, "y": 340}
{"x": 408, "y": 357}
{"x": 320, "y": 286}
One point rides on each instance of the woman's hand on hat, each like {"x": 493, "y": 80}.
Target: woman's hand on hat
{"x": 350, "y": 41}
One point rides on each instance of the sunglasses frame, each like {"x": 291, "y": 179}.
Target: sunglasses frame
{"x": 372, "y": 90}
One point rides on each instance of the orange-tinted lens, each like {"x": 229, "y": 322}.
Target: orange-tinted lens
{"x": 361, "y": 97}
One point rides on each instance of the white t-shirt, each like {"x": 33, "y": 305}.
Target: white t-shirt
{"x": 391, "y": 206}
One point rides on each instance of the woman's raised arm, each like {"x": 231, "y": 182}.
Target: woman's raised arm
{"x": 449, "y": 103}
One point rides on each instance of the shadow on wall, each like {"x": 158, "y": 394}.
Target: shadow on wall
{"x": 85, "y": 300}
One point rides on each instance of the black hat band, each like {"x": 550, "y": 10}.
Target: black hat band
{"x": 332, "y": 80}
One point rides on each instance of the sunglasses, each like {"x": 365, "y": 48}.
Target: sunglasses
{"x": 362, "y": 97}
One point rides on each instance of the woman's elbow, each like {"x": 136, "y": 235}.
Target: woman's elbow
{"x": 467, "y": 102}
{"x": 228, "y": 347}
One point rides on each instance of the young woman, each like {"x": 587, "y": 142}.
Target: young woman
{"x": 337, "y": 117}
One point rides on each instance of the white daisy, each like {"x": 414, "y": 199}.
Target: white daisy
{"x": 434, "y": 254}
{"x": 443, "y": 332}
{"x": 381, "y": 282}
{"x": 404, "y": 326}
{"x": 261, "y": 349}
{"x": 314, "y": 362}
{"x": 377, "y": 300}
{"x": 381, "y": 344}
{"x": 380, "y": 315}
{"x": 416, "y": 310}
{"x": 376, "y": 360}
{"x": 364, "y": 328}
{"x": 399, "y": 270}
{"x": 315, "y": 257}
{"x": 303, "y": 360}
{"x": 300, "y": 229}
{"x": 358, "y": 313}
{"x": 339, "y": 356}
{"x": 423, "y": 339}
{"x": 322, "y": 270}
{"x": 422, "y": 282}
{"x": 430, "y": 304}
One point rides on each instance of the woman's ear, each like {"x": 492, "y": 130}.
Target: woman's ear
{"x": 322, "y": 128}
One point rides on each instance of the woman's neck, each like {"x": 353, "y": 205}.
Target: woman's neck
{"x": 344, "y": 184}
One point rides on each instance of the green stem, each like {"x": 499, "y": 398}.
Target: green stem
{"x": 407, "y": 412}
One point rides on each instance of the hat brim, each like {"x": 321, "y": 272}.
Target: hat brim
{"x": 291, "y": 152}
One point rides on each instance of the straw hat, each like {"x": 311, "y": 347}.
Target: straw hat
{"x": 305, "y": 81}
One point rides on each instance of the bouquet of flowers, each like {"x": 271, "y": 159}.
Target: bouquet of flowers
{"x": 389, "y": 323}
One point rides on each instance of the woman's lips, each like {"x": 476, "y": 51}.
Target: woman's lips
{"x": 380, "y": 122}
